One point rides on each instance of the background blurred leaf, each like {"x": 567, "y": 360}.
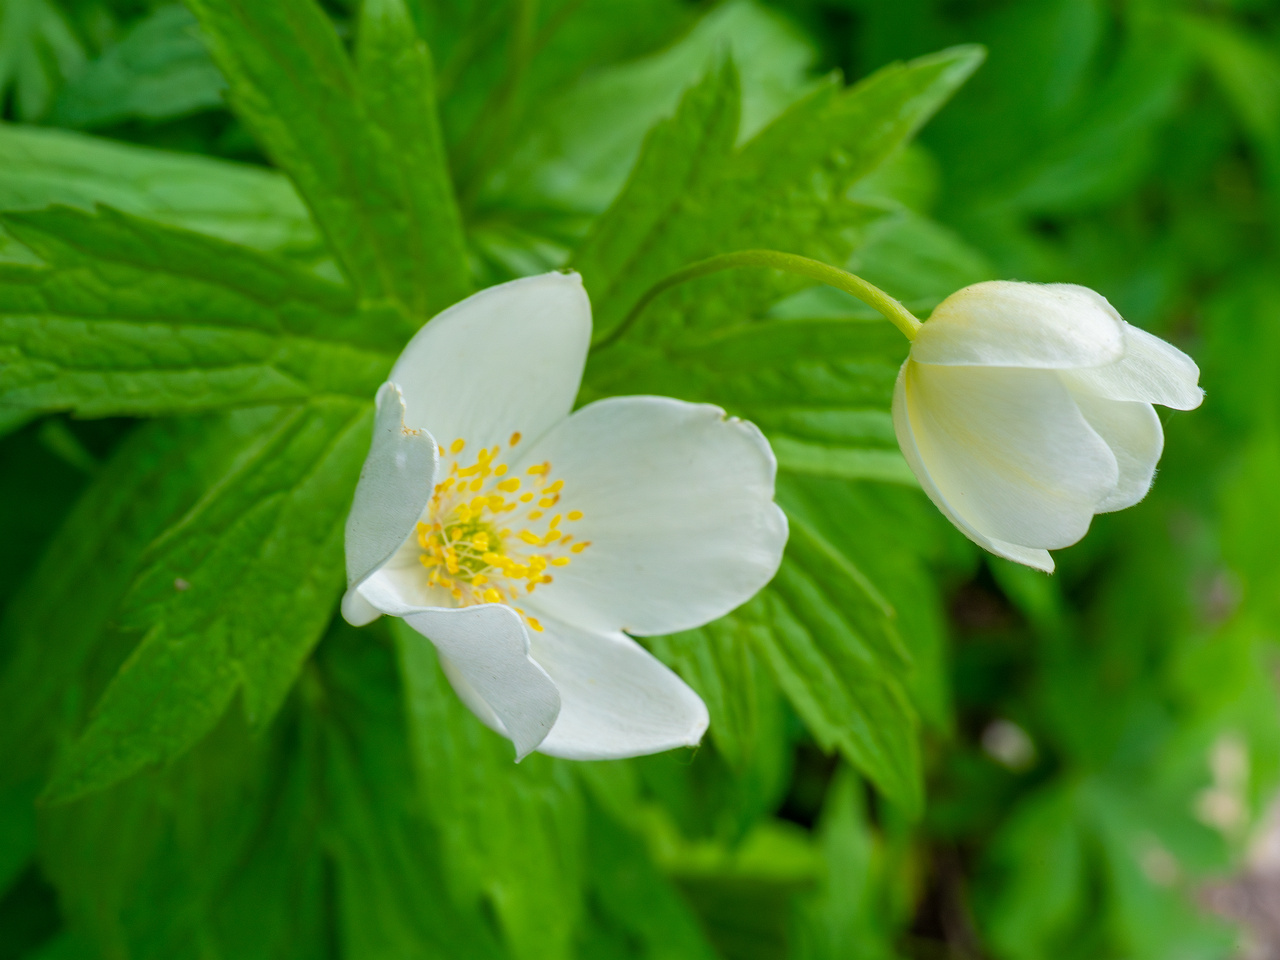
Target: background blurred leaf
{"x": 158, "y": 70}
{"x": 236, "y": 202}
{"x": 512, "y": 835}
{"x": 38, "y": 50}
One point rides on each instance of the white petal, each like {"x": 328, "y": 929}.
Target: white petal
{"x": 506, "y": 359}
{"x": 1151, "y": 371}
{"x": 1005, "y": 324}
{"x": 1032, "y": 557}
{"x": 395, "y": 486}
{"x": 485, "y": 652}
{"x": 1009, "y": 451}
{"x": 616, "y": 699}
{"x": 678, "y": 507}
{"x": 356, "y": 610}
{"x": 1133, "y": 432}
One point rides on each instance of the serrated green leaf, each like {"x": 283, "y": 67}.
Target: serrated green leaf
{"x": 70, "y": 596}
{"x": 158, "y": 70}
{"x": 575, "y": 150}
{"x": 236, "y": 202}
{"x": 828, "y": 637}
{"x": 741, "y": 694}
{"x": 127, "y": 317}
{"x": 362, "y": 154}
{"x": 680, "y": 157}
{"x": 785, "y": 188}
{"x": 512, "y": 834}
{"x": 819, "y": 388}
{"x": 232, "y": 597}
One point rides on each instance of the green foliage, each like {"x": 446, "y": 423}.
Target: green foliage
{"x": 202, "y": 761}
{"x": 369, "y": 164}
{"x": 159, "y": 69}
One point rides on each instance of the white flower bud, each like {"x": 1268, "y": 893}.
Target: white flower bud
{"x": 1024, "y": 409}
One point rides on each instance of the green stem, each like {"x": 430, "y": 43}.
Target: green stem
{"x": 871, "y": 295}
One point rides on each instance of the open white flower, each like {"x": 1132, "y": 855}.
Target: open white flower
{"x": 1024, "y": 409}
{"x": 525, "y": 542}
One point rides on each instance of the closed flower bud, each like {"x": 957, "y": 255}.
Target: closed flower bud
{"x": 1024, "y": 409}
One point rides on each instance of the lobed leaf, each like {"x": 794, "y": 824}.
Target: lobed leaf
{"x": 232, "y": 597}
{"x": 361, "y": 146}
{"x": 827, "y": 636}
{"x": 691, "y": 196}
{"x": 127, "y": 317}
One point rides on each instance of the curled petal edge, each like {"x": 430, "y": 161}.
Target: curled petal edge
{"x": 394, "y": 488}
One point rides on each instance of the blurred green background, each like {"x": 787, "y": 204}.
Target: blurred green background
{"x": 1098, "y": 749}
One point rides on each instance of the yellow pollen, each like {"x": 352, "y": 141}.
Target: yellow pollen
{"x": 579, "y": 547}
{"x": 465, "y": 550}
{"x": 515, "y": 438}
{"x": 574, "y": 515}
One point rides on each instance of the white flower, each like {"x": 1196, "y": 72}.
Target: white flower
{"x": 523, "y": 540}
{"x": 1024, "y": 409}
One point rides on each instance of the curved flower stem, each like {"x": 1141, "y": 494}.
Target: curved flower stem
{"x": 871, "y": 295}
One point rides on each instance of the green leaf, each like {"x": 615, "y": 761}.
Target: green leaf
{"x": 691, "y": 196}
{"x": 819, "y": 388}
{"x": 512, "y": 834}
{"x": 362, "y": 147}
{"x": 576, "y": 148}
{"x": 741, "y": 694}
{"x": 217, "y": 855}
{"x": 236, "y": 202}
{"x": 847, "y": 915}
{"x": 635, "y": 901}
{"x": 70, "y": 596}
{"x": 393, "y": 897}
{"x": 232, "y": 597}
{"x": 158, "y": 70}
{"x": 829, "y": 639}
{"x": 127, "y": 317}
{"x": 284, "y": 844}
{"x": 38, "y": 50}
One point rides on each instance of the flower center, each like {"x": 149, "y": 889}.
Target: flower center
{"x": 490, "y": 536}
